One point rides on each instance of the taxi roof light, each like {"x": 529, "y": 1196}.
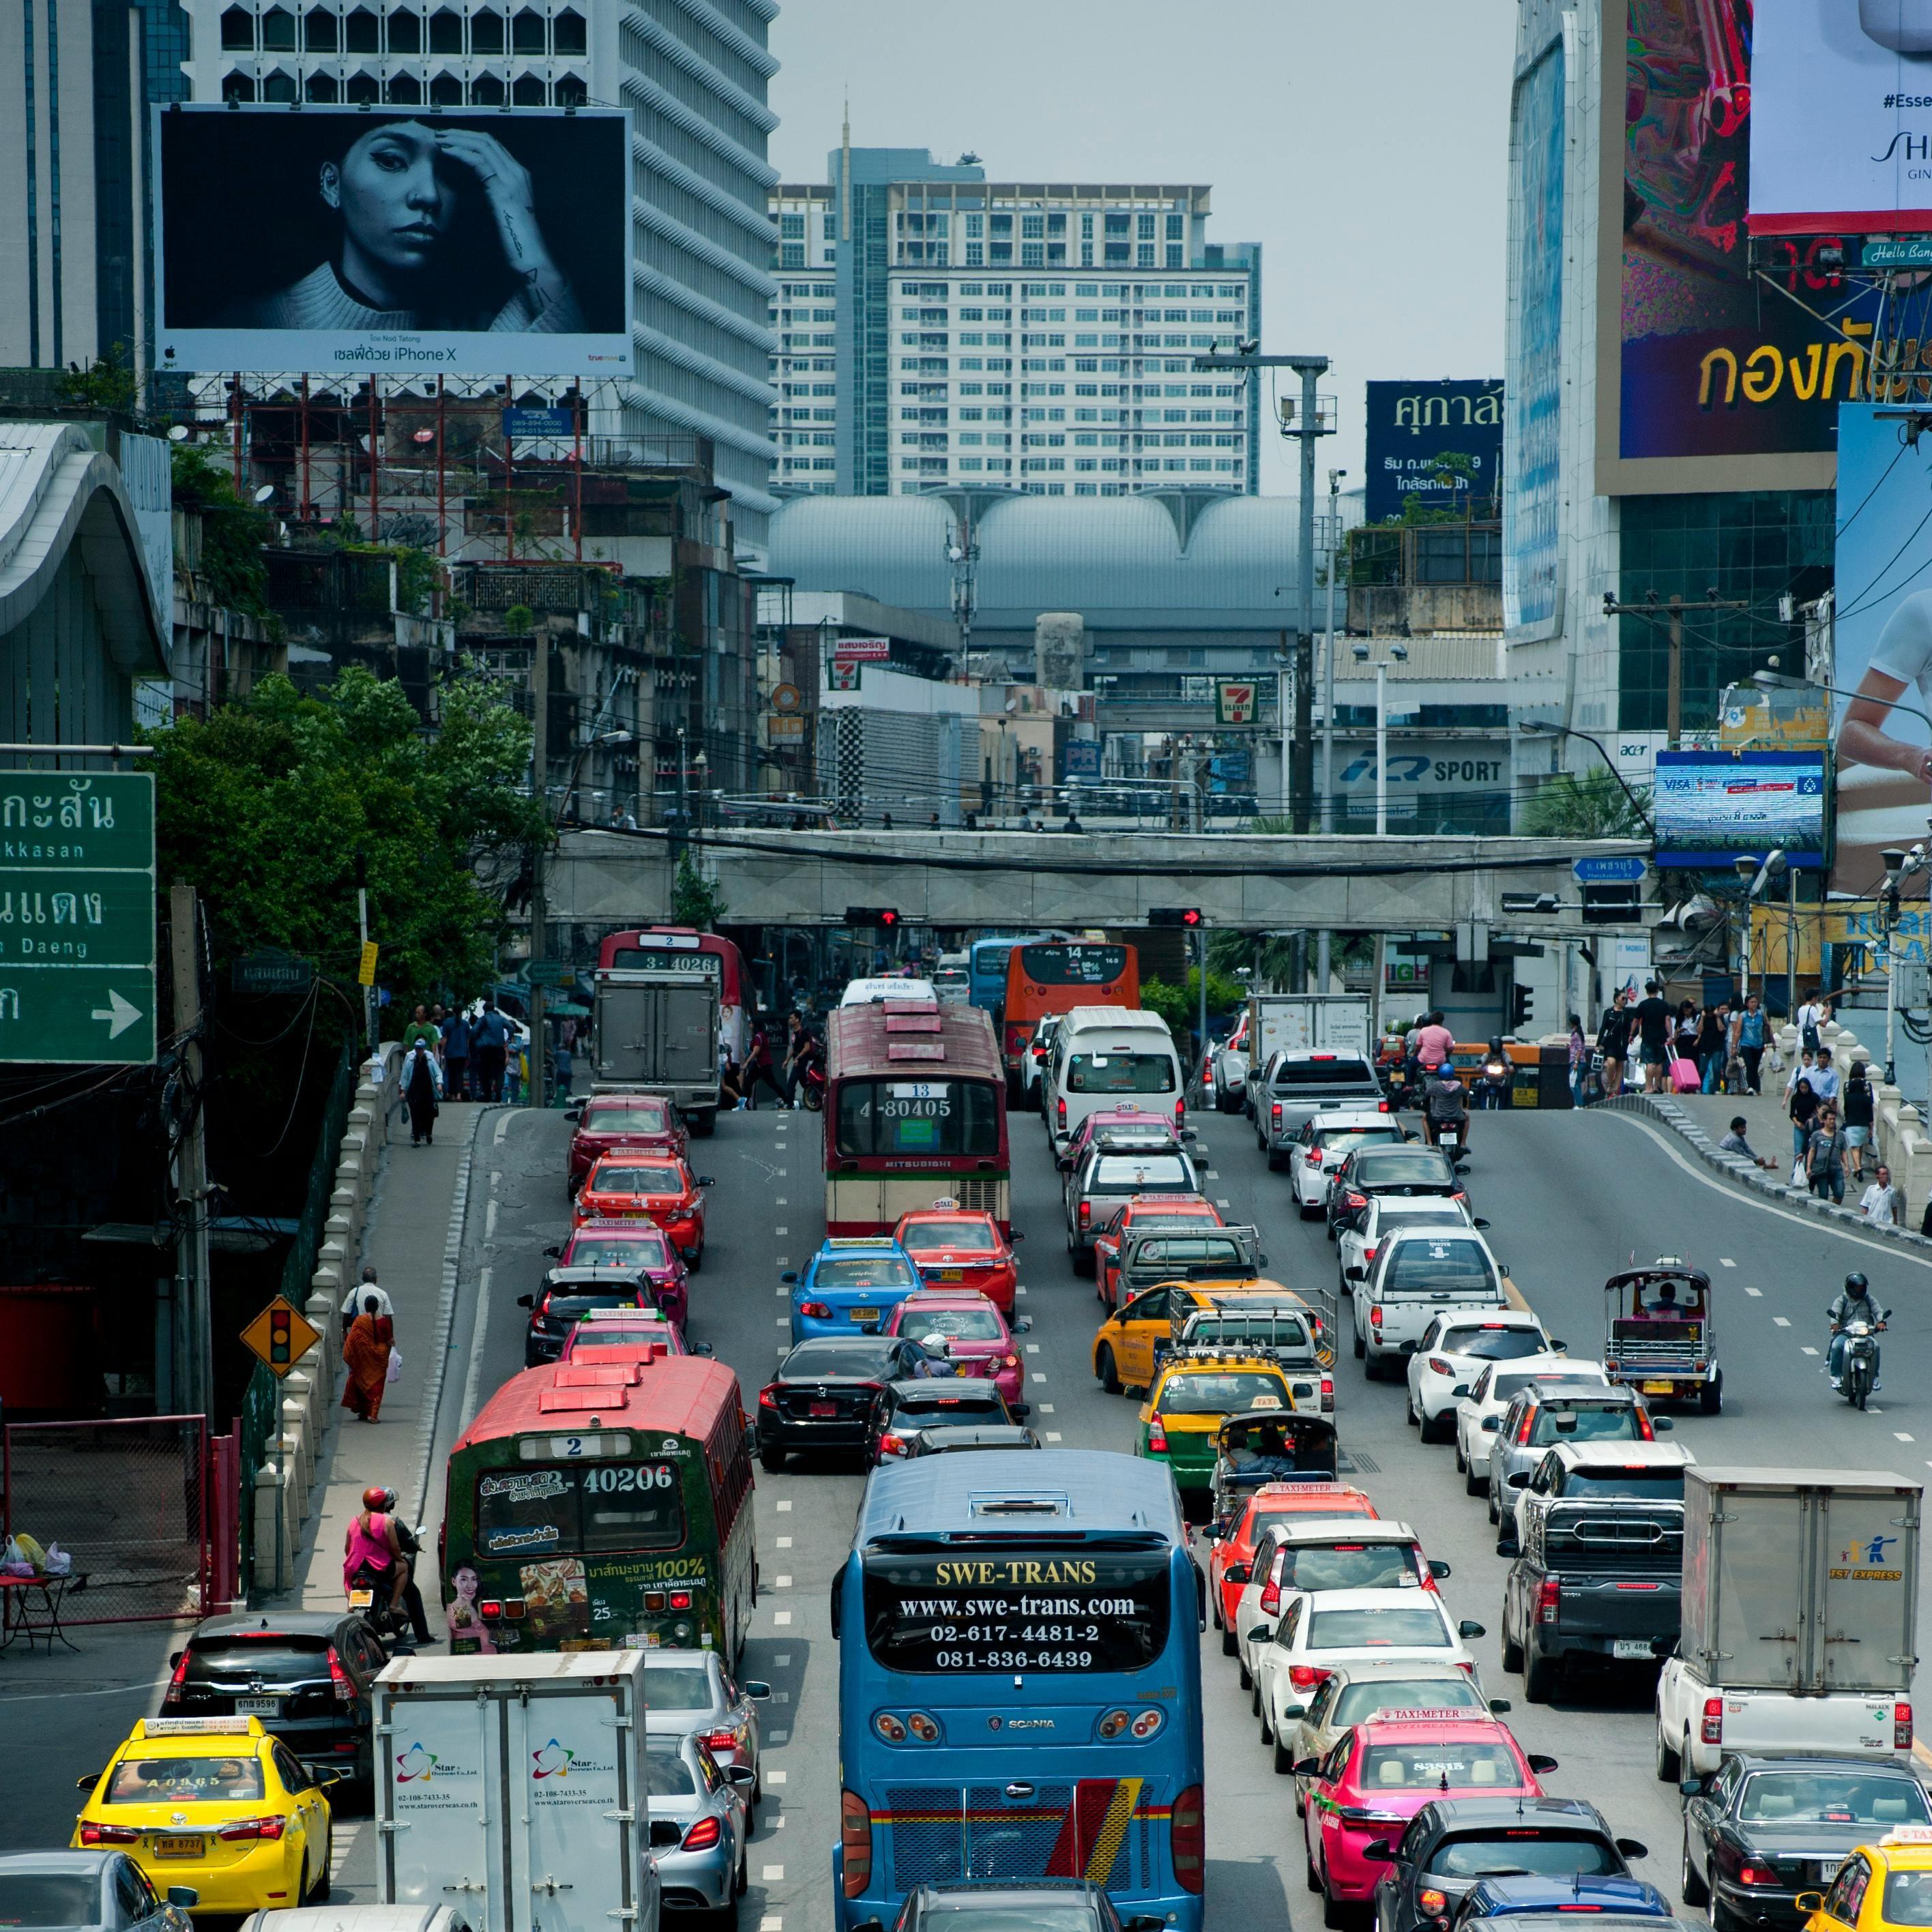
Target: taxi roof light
{"x": 189, "y": 1727}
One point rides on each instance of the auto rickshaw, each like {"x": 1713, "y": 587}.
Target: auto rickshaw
{"x": 1267, "y": 1445}
{"x": 1661, "y": 1333}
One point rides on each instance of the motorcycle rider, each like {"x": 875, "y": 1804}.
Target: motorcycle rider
{"x": 1492, "y": 1089}
{"x": 371, "y": 1544}
{"x": 412, "y": 1548}
{"x": 1445, "y": 1103}
{"x": 1854, "y": 1303}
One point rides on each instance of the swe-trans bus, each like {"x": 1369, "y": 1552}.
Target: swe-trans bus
{"x": 1019, "y": 1683}
{"x": 915, "y": 1111}
{"x": 1054, "y": 976}
{"x": 600, "y": 1505}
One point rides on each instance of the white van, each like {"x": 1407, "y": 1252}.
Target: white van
{"x": 1111, "y": 1056}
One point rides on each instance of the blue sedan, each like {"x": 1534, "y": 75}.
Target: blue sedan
{"x": 1529, "y": 1896}
{"x": 850, "y": 1286}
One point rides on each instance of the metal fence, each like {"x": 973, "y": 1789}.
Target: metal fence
{"x": 126, "y": 1498}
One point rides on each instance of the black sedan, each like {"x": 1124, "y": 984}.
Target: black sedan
{"x": 828, "y": 1393}
{"x": 1455, "y": 1841}
{"x": 1068, "y": 1905}
{"x": 1409, "y": 1173}
{"x": 1758, "y": 1830}
{"x": 951, "y": 1438}
{"x": 933, "y": 1402}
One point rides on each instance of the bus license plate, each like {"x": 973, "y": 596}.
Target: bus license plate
{"x": 864, "y": 1314}
{"x": 257, "y": 1707}
{"x": 1657, "y": 1388}
{"x": 180, "y": 1848}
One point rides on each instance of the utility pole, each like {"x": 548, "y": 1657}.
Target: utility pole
{"x": 1308, "y": 426}
{"x": 1323, "y": 943}
{"x": 1671, "y": 616}
{"x": 193, "y": 1392}
{"x": 539, "y": 899}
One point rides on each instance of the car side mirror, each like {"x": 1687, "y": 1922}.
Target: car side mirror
{"x": 1307, "y": 1767}
{"x": 1379, "y": 1852}
{"x": 742, "y": 1775}
{"x": 1291, "y": 1713}
{"x": 1493, "y": 1423}
{"x": 1356, "y": 1273}
{"x": 1633, "y": 1848}
{"x": 1239, "y": 1573}
{"x": 1468, "y": 1628}
{"x": 1809, "y": 1902}
{"x": 756, "y": 1689}
{"x": 1557, "y": 1346}
{"x": 1143, "y": 1921}
{"x": 1438, "y": 1568}
{"x": 183, "y": 1895}
{"x": 701, "y": 1348}
{"x": 1520, "y": 1480}
{"x": 790, "y": 1275}
{"x": 1663, "y": 1424}
{"x": 1260, "y": 1633}
{"x": 175, "y": 1658}
{"x": 1024, "y": 1326}
{"x": 1502, "y": 1267}
{"x": 1016, "y": 1236}
{"x": 527, "y": 1301}
{"x": 1479, "y": 1223}
{"x": 88, "y": 1783}
{"x": 1540, "y": 1764}
{"x": 706, "y": 1181}
{"x": 1499, "y": 1706}
{"x": 555, "y": 1254}
{"x": 573, "y": 1113}
{"x": 1187, "y": 1134}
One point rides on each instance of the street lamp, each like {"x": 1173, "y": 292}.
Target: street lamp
{"x": 1398, "y": 653}
{"x": 1899, "y": 866}
{"x": 1777, "y": 680}
{"x": 1540, "y": 727}
{"x": 1752, "y": 874}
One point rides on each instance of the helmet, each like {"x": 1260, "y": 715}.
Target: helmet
{"x": 1856, "y": 1284}
{"x": 935, "y": 1344}
{"x": 375, "y": 1498}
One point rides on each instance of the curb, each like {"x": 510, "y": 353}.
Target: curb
{"x": 1668, "y": 1114}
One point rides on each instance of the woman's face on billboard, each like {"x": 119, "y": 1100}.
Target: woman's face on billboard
{"x": 395, "y": 204}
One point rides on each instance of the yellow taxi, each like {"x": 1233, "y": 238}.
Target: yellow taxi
{"x": 1192, "y": 1395}
{"x": 217, "y": 1805}
{"x": 1879, "y": 1885}
{"x": 1125, "y": 1344}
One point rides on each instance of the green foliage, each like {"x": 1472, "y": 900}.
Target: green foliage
{"x": 1594, "y": 806}
{"x": 1180, "y": 1006}
{"x": 276, "y": 809}
{"x": 109, "y": 383}
{"x": 694, "y": 901}
{"x": 518, "y": 620}
{"x": 418, "y": 573}
{"x": 232, "y": 532}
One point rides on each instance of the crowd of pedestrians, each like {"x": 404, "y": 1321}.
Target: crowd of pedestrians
{"x": 464, "y": 1053}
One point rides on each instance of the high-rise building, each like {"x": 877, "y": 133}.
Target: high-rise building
{"x": 692, "y": 74}
{"x": 1031, "y": 335}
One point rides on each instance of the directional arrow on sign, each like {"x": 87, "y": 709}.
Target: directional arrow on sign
{"x": 118, "y": 1014}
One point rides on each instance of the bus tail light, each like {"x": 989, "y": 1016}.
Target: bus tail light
{"x": 680, "y": 1600}
{"x": 1712, "y": 1731}
{"x": 1187, "y": 1842}
{"x": 1901, "y": 1727}
{"x": 702, "y": 1835}
{"x": 855, "y": 1844}
{"x": 1549, "y": 1600}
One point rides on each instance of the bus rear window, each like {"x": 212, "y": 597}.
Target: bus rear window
{"x": 918, "y": 1117}
{"x": 1073, "y": 965}
{"x": 1120, "y": 1073}
{"x": 598, "y": 1509}
{"x": 1004, "y": 1609}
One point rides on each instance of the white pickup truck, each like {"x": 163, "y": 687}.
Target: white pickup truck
{"x": 1417, "y": 1273}
{"x": 1801, "y": 1590}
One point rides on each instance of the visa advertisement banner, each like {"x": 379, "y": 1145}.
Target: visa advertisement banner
{"x": 1711, "y": 805}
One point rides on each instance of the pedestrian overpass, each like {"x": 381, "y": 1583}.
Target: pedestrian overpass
{"x": 1019, "y": 880}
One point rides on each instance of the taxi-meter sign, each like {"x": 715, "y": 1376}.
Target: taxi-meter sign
{"x": 280, "y": 1335}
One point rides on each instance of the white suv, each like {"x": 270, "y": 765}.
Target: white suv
{"x": 1417, "y": 1274}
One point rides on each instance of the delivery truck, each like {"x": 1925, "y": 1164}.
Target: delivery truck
{"x": 1800, "y": 1600}
{"x": 514, "y": 1789}
{"x": 1279, "y": 1021}
{"x": 654, "y": 1027}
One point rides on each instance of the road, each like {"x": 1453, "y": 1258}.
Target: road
{"x": 1570, "y": 1197}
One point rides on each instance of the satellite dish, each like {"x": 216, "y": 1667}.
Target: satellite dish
{"x": 180, "y": 433}
{"x": 264, "y": 493}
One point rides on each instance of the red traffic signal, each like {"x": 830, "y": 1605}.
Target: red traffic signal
{"x": 885, "y": 917}
{"x": 1188, "y": 917}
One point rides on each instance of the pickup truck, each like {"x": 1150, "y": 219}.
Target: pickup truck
{"x": 1597, "y": 1582}
{"x": 1416, "y": 1274}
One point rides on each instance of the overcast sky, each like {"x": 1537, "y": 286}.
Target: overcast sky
{"x": 1364, "y": 144}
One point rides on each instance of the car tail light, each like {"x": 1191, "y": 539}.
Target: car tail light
{"x": 1313, "y": 1157}
{"x": 1274, "y": 1113}
{"x": 1645, "y": 1432}
{"x": 1375, "y": 1316}
{"x": 1060, "y": 1106}
{"x": 1522, "y": 1429}
{"x": 1381, "y": 1106}
{"x": 1157, "y": 1435}
{"x": 1901, "y": 1727}
{"x": 855, "y": 1843}
{"x": 1467, "y": 1666}
{"x": 1305, "y": 1676}
{"x": 91, "y": 1834}
{"x": 1010, "y": 1361}
{"x": 1328, "y": 1393}
{"x": 720, "y": 1740}
{"x": 815, "y": 1311}
{"x": 1180, "y": 1112}
{"x": 1711, "y": 1731}
{"x": 174, "y": 1692}
{"x": 249, "y": 1829}
{"x": 702, "y": 1835}
{"x": 1271, "y": 1597}
{"x": 1187, "y": 1841}
{"x": 1357, "y": 1202}
{"x": 1751, "y": 1874}
{"x": 1086, "y": 1214}
{"x": 892, "y": 1445}
{"x": 1368, "y": 1254}
{"x": 766, "y": 1399}
{"x": 1431, "y": 1902}
{"x": 338, "y": 1679}
{"x": 1439, "y": 1367}
{"x": 1549, "y": 1600}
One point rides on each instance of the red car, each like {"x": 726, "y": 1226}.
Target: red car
{"x": 1231, "y": 1557}
{"x": 976, "y": 1333}
{"x": 955, "y": 1247}
{"x": 1377, "y": 1775}
{"x": 648, "y": 1187}
{"x": 1141, "y": 1212}
{"x": 646, "y": 1122}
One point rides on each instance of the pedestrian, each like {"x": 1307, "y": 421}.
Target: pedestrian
{"x": 1652, "y": 1015}
{"x": 566, "y": 1062}
{"x": 1825, "y": 1157}
{"x": 490, "y": 1049}
{"x": 422, "y": 1082}
{"x": 365, "y": 1349}
{"x": 758, "y": 1071}
{"x": 456, "y": 1056}
{"x": 1881, "y": 1202}
{"x": 796, "y": 1038}
{"x": 1750, "y": 1039}
{"x": 351, "y": 1302}
{"x": 1579, "y": 1059}
{"x": 1714, "y": 1035}
{"x": 885, "y": 821}
{"x": 1800, "y": 1069}
{"x": 729, "y": 1096}
{"x": 1734, "y": 1142}
{"x": 1687, "y": 1034}
{"x": 1857, "y": 1101}
{"x": 1811, "y": 1018}
{"x": 1803, "y": 1108}
{"x": 1613, "y": 1033}
{"x": 419, "y": 1027}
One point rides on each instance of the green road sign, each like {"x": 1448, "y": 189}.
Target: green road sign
{"x": 548, "y": 972}
{"x": 271, "y": 970}
{"x": 77, "y": 917}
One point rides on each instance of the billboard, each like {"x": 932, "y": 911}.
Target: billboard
{"x": 1708, "y": 379}
{"x": 1711, "y": 805}
{"x": 1411, "y": 424}
{"x": 1841, "y": 117}
{"x": 335, "y": 239}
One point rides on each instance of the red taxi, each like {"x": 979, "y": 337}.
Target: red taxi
{"x": 955, "y": 1247}
{"x": 624, "y": 1334}
{"x": 1127, "y": 1125}
{"x": 1139, "y": 1213}
{"x": 1231, "y": 1558}
{"x": 642, "y": 1123}
{"x": 648, "y": 1187}
{"x": 976, "y": 1336}
{"x": 1378, "y": 1774}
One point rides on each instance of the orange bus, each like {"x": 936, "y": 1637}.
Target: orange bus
{"x": 1055, "y": 975}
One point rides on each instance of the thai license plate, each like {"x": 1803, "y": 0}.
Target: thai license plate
{"x": 1632, "y": 1647}
{"x": 361, "y": 1600}
{"x": 946, "y": 1274}
{"x": 257, "y": 1707}
{"x": 863, "y": 1314}
{"x": 180, "y": 1848}
{"x": 1657, "y": 1388}
{"x": 824, "y": 1408}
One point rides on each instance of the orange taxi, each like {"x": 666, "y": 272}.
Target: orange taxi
{"x": 959, "y": 1248}
{"x": 1143, "y": 1211}
{"x": 648, "y": 1187}
{"x": 1231, "y": 1557}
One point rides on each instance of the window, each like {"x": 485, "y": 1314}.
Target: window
{"x": 486, "y": 90}
{"x": 792, "y": 227}
{"x": 486, "y": 37}
{"x": 529, "y": 91}
{"x": 278, "y": 31}
{"x": 237, "y": 87}
{"x": 1176, "y": 228}
{"x": 1174, "y": 260}
{"x": 405, "y": 32}
{"x": 533, "y": 1512}
{"x": 361, "y": 34}
{"x": 320, "y": 87}
{"x": 279, "y": 87}
{"x": 445, "y": 33}
{"x": 237, "y": 30}
{"x": 527, "y": 32}
{"x": 318, "y": 34}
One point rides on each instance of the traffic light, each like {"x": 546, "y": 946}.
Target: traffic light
{"x": 884, "y": 917}
{"x": 281, "y": 1338}
{"x": 1519, "y": 1004}
{"x": 1612, "y": 903}
{"x": 1187, "y": 917}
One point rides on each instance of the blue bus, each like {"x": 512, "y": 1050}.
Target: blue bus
{"x": 1019, "y": 1683}
{"x": 986, "y": 966}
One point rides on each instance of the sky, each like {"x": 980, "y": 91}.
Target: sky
{"x": 1364, "y": 145}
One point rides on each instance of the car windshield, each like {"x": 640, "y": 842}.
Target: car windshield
{"x": 631, "y": 1179}
{"x": 568, "y": 1305}
{"x": 1657, "y": 1485}
{"x": 46, "y": 1900}
{"x": 1136, "y": 1174}
{"x": 1492, "y": 1342}
{"x": 1393, "y": 1213}
{"x": 836, "y": 1358}
{"x": 960, "y": 1324}
{"x": 1585, "y": 1423}
{"x": 185, "y": 1780}
{"x": 1337, "y": 1141}
{"x": 666, "y": 1773}
{"x": 866, "y": 1271}
{"x": 1360, "y": 1701}
{"x": 1435, "y": 1264}
{"x": 1908, "y": 1898}
{"x": 1371, "y": 1625}
{"x": 677, "y": 1687}
{"x": 638, "y": 1117}
{"x": 1403, "y": 1167}
{"x": 1833, "y": 1797}
{"x": 1347, "y": 1566}
{"x": 1231, "y": 1394}
{"x": 1119, "y": 1073}
{"x": 622, "y": 1251}
{"x": 1528, "y": 1850}
{"x": 274, "y": 1658}
{"x": 1446, "y": 1766}
{"x": 1031, "y": 1918}
{"x": 972, "y": 1237}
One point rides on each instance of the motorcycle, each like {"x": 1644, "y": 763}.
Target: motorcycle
{"x": 1493, "y": 1086}
{"x": 1858, "y": 1370}
{"x": 811, "y": 1087}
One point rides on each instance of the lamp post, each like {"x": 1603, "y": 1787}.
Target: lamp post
{"x": 1752, "y": 874}
{"x": 1398, "y": 654}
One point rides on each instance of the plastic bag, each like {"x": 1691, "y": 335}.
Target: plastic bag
{"x": 24, "y": 1556}
{"x": 395, "y": 1365}
{"x": 58, "y": 1562}
{"x": 1798, "y": 1177}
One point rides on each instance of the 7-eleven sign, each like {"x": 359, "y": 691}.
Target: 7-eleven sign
{"x": 1234, "y": 700}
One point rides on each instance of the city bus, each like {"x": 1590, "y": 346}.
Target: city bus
{"x": 1054, "y": 976}
{"x": 915, "y": 1112}
{"x": 597, "y": 1505}
{"x": 1019, "y": 1683}
{"x": 658, "y": 945}
{"x": 986, "y": 966}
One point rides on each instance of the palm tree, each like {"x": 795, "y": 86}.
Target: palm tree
{"x": 1596, "y": 805}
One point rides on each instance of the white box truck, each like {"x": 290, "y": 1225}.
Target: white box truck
{"x": 1276, "y": 1021}
{"x": 654, "y": 1026}
{"x": 514, "y": 1789}
{"x": 1800, "y": 1598}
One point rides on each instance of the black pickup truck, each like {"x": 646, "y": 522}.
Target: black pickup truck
{"x": 1596, "y": 1581}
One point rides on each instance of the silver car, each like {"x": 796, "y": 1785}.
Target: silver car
{"x": 701, "y": 1825}
{"x": 1104, "y": 1179}
{"x": 1543, "y": 1414}
{"x": 101, "y": 1891}
{"x": 690, "y": 1691}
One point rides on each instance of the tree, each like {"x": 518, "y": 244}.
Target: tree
{"x": 1594, "y": 806}
{"x": 107, "y": 383}
{"x": 232, "y": 532}
{"x": 695, "y": 900}
{"x": 1457, "y": 470}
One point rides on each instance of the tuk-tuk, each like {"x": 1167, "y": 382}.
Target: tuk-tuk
{"x": 1265, "y": 1445}
{"x": 1661, "y": 1333}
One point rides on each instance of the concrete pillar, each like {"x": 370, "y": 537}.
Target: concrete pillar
{"x": 268, "y": 1503}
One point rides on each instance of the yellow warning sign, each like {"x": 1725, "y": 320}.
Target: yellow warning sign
{"x": 281, "y": 1335}
{"x": 365, "y": 973}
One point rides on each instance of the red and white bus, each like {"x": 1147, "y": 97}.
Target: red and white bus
{"x": 915, "y": 1112}
{"x": 650, "y": 945}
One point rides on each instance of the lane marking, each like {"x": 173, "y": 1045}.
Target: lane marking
{"x": 773, "y": 1874}
{"x": 1782, "y": 1321}
{"x": 1222, "y": 1204}
{"x": 1053, "y": 1435}
{"x": 782, "y": 1617}
{"x": 1811, "y": 1351}
{"x": 1899, "y": 1435}
{"x": 782, "y": 1660}
{"x": 1032, "y": 1348}
{"x": 1046, "y": 1409}
{"x": 1037, "y": 1376}
{"x": 781, "y": 1230}
{"x": 1725, "y": 1260}
{"x": 784, "y": 1542}
{"x": 473, "y": 1383}
{"x": 785, "y": 1505}
{"x": 1213, "y": 1173}
{"x": 781, "y": 1260}
{"x": 1758, "y": 1292}
{"x": 775, "y": 1777}
{"x": 783, "y": 1320}
{"x": 771, "y": 1922}
{"x": 783, "y": 1583}
{"x": 779, "y": 1201}
{"x": 490, "y": 1223}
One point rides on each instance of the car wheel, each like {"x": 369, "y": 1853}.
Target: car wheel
{"x": 1711, "y": 1400}
{"x": 1231, "y": 1644}
{"x": 1438, "y": 1429}
{"x": 1512, "y": 1650}
{"x": 1361, "y": 1347}
{"x": 772, "y": 1459}
{"x": 1246, "y": 1676}
{"x": 1474, "y": 1483}
{"x": 1105, "y": 1369}
{"x": 1335, "y": 1912}
{"x": 1311, "y": 1876}
{"x": 1539, "y": 1677}
{"x": 1493, "y": 1516}
{"x": 1669, "y": 1765}
{"x": 696, "y": 1262}
{"x": 741, "y": 1880}
{"x": 1461, "y": 1461}
{"x": 1695, "y": 1891}
{"x": 1267, "y": 1729}
{"x": 1722, "y": 1919}
{"x": 319, "y": 1892}
{"x": 1083, "y": 1261}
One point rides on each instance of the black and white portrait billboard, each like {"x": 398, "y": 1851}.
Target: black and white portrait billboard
{"x": 341, "y": 239}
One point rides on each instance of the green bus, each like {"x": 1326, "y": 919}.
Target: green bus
{"x": 601, "y": 1506}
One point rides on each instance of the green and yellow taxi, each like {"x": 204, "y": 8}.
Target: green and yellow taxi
{"x": 1886, "y": 1884}
{"x": 1128, "y": 1346}
{"x": 1192, "y": 1395}
{"x": 217, "y": 1806}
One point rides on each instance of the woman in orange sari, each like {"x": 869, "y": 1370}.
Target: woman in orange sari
{"x": 366, "y": 1350}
